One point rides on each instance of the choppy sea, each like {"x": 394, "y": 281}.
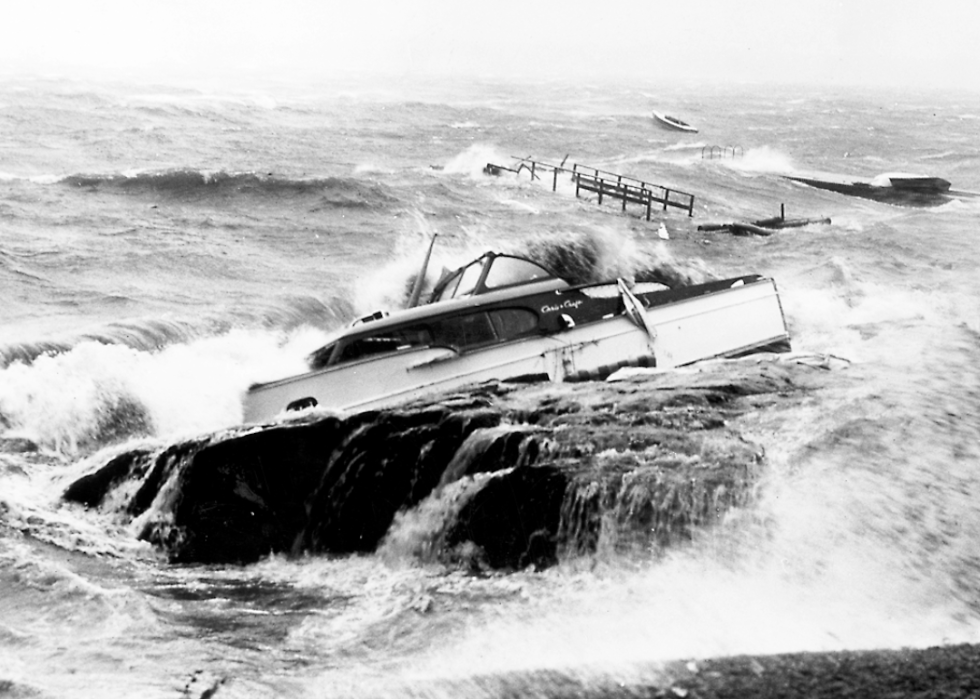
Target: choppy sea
{"x": 162, "y": 248}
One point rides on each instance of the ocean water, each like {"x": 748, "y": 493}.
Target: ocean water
{"x": 162, "y": 248}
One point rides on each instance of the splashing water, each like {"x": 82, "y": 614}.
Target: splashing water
{"x": 861, "y": 533}
{"x": 96, "y": 394}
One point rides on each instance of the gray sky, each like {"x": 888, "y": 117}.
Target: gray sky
{"x": 854, "y": 42}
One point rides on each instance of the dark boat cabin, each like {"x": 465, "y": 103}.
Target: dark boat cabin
{"x": 531, "y": 301}
{"x": 458, "y": 332}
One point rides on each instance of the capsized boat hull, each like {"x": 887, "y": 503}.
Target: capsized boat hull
{"x": 728, "y": 322}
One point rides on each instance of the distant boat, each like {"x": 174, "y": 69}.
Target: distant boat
{"x": 674, "y": 122}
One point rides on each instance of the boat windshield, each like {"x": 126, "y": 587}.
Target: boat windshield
{"x": 507, "y": 271}
{"x": 321, "y": 357}
{"x": 489, "y": 273}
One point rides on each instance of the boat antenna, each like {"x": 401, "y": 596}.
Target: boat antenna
{"x": 420, "y": 279}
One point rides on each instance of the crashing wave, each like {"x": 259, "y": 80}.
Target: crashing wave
{"x": 193, "y": 183}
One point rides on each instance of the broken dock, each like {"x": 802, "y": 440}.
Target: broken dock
{"x": 766, "y": 226}
{"x": 607, "y": 185}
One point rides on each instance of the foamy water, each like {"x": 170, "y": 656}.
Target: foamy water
{"x": 141, "y": 309}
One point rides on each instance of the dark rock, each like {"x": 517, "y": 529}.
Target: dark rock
{"x": 388, "y": 464}
{"x": 947, "y": 672}
{"x": 655, "y": 458}
{"x": 487, "y": 450}
{"x": 514, "y": 518}
{"x": 240, "y": 498}
{"x": 91, "y": 489}
{"x": 941, "y": 672}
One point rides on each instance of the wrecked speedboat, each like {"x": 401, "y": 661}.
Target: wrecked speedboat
{"x": 503, "y": 317}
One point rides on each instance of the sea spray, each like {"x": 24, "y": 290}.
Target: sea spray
{"x": 474, "y": 159}
{"x": 766, "y": 581}
{"x": 863, "y": 529}
{"x": 286, "y": 315}
{"x": 389, "y": 286}
{"x": 591, "y": 256}
{"x": 581, "y": 257}
{"x": 96, "y": 394}
{"x": 761, "y": 159}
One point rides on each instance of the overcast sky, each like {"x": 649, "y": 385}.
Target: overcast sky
{"x": 854, "y": 42}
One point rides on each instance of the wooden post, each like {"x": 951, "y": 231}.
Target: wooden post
{"x": 782, "y": 212}
{"x": 601, "y": 184}
{"x": 554, "y": 182}
{"x": 649, "y": 198}
{"x": 666, "y": 197}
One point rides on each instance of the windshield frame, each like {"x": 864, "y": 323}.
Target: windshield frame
{"x": 457, "y": 283}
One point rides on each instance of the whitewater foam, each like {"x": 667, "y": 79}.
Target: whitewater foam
{"x": 95, "y": 394}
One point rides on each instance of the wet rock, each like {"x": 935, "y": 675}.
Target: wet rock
{"x": 940, "y": 672}
{"x": 638, "y": 463}
{"x": 389, "y": 463}
{"x": 91, "y": 489}
{"x": 514, "y": 519}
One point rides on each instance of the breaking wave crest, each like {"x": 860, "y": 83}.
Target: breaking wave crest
{"x": 94, "y": 394}
{"x": 154, "y": 334}
{"x": 582, "y": 257}
{"x": 339, "y": 192}
{"x": 595, "y": 256}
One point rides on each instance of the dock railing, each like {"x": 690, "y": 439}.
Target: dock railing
{"x": 630, "y": 190}
{"x": 536, "y": 168}
{"x": 604, "y": 183}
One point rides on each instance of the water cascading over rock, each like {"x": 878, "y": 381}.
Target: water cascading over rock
{"x": 575, "y": 469}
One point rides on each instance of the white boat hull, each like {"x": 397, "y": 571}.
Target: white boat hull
{"x": 723, "y": 323}
{"x": 673, "y": 123}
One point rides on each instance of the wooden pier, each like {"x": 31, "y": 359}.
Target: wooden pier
{"x": 627, "y": 190}
{"x": 630, "y": 190}
{"x": 531, "y": 166}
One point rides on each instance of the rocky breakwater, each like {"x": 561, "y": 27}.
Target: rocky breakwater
{"x": 525, "y": 473}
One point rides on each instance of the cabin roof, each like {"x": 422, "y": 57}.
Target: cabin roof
{"x": 454, "y": 306}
